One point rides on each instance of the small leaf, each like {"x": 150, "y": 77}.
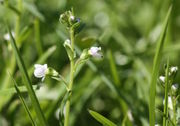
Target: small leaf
{"x": 101, "y": 119}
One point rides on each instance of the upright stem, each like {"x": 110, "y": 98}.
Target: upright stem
{"x": 166, "y": 95}
{"x": 67, "y": 107}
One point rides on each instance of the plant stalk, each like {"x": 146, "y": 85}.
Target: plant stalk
{"x": 68, "y": 103}
{"x": 165, "y": 117}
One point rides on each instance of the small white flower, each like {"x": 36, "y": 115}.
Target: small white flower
{"x": 40, "y": 71}
{"x": 175, "y": 87}
{"x": 72, "y": 18}
{"x": 170, "y": 104}
{"x": 7, "y": 36}
{"x": 174, "y": 69}
{"x": 157, "y": 125}
{"x": 94, "y": 51}
{"x": 162, "y": 79}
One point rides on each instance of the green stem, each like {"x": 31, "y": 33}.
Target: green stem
{"x": 165, "y": 117}
{"x": 174, "y": 111}
{"x": 67, "y": 107}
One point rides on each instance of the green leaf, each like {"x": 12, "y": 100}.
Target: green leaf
{"x": 101, "y": 119}
{"x": 155, "y": 71}
{"x": 113, "y": 68}
{"x": 23, "y": 101}
{"x": 13, "y": 90}
{"x": 28, "y": 84}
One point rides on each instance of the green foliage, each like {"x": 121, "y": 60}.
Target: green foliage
{"x": 101, "y": 119}
{"x": 155, "y": 71}
{"x": 117, "y": 86}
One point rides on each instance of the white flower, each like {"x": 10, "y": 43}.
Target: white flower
{"x": 40, "y": 71}
{"x": 94, "y": 51}
{"x": 157, "y": 125}
{"x": 162, "y": 79}
{"x": 7, "y": 36}
{"x": 174, "y": 69}
{"x": 170, "y": 104}
{"x": 175, "y": 87}
{"x": 72, "y": 18}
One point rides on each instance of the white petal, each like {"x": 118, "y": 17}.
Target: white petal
{"x": 94, "y": 51}
{"x": 162, "y": 78}
{"x": 40, "y": 70}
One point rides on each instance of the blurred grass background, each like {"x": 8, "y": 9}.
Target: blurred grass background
{"x": 116, "y": 86}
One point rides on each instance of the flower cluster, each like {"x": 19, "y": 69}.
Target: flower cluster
{"x": 68, "y": 18}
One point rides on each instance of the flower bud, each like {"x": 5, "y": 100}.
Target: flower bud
{"x": 173, "y": 71}
{"x": 52, "y": 72}
{"x": 85, "y": 54}
{"x": 67, "y": 18}
{"x": 69, "y": 50}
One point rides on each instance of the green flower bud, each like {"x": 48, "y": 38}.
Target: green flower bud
{"x": 69, "y": 50}
{"x": 52, "y": 72}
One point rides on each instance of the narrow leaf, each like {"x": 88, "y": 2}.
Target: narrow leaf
{"x": 101, "y": 119}
{"x": 13, "y": 90}
{"x": 155, "y": 71}
{"x": 28, "y": 84}
{"x": 23, "y": 101}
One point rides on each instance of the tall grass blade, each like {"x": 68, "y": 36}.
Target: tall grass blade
{"x": 23, "y": 102}
{"x": 28, "y": 83}
{"x": 155, "y": 71}
{"x": 101, "y": 119}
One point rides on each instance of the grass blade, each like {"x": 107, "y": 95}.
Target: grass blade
{"x": 101, "y": 119}
{"x": 23, "y": 102}
{"x": 113, "y": 68}
{"x": 28, "y": 83}
{"x": 11, "y": 91}
{"x": 156, "y": 65}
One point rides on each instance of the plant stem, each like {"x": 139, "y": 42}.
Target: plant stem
{"x": 67, "y": 107}
{"x": 174, "y": 111}
{"x": 165, "y": 117}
